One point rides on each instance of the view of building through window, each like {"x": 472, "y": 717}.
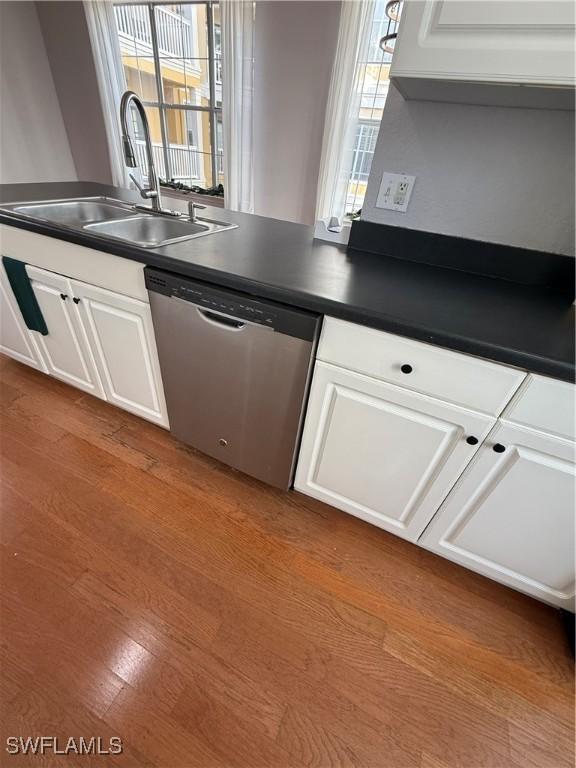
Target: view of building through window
{"x": 172, "y": 59}
{"x": 373, "y": 82}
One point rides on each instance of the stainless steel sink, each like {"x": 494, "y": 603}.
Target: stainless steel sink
{"x": 153, "y": 231}
{"x": 74, "y": 212}
{"x": 106, "y": 217}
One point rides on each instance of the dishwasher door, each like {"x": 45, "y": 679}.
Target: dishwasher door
{"x": 235, "y": 389}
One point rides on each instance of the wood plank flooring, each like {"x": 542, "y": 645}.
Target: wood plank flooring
{"x": 150, "y": 593}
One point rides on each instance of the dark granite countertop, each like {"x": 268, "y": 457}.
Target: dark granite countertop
{"x": 526, "y": 326}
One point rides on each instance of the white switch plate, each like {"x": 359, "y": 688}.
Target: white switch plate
{"x": 395, "y": 191}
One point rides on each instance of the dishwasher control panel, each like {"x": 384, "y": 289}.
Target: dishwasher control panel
{"x": 216, "y": 301}
{"x": 212, "y": 298}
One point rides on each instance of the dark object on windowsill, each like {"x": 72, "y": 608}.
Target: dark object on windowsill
{"x": 217, "y": 191}
{"x": 354, "y": 216}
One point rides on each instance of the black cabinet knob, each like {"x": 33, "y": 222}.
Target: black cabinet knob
{"x": 498, "y": 448}
{"x": 472, "y": 440}
{"x": 63, "y": 296}
{"x": 406, "y": 368}
{"x": 76, "y": 300}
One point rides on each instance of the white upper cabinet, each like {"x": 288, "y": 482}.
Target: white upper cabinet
{"x": 15, "y": 339}
{"x": 121, "y": 336}
{"x": 382, "y": 453}
{"x": 65, "y": 349}
{"x": 511, "y": 516}
{"x": 460, "y": 50}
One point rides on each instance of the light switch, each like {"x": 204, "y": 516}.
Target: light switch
{"x": 395, "y": 191}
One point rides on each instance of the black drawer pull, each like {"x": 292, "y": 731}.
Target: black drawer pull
{"x": 406, "y": 368}
{"x": 76, "y": 300}
{"x": 63, "y": 296}
{"x": 498, "y": 448}
{"x": 472, "y": 440}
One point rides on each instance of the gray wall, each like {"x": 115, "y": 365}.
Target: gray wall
{"x": 492, "y": 173}
{"x": 295, "y": 43}
{"x": 70, "y": 54}
{"x": 33, "y": 141}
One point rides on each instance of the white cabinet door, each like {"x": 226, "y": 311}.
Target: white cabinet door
{"x": 122, "y": 338}
{"x": 479, "y": 42}
{"x": 381, "y": 452}
{"x": 511, "y": 516}
{"x": 15, "y": 339}
{"x": 65, "y": 349}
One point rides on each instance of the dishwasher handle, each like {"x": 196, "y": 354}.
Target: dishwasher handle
{"x": 224, "y": 321}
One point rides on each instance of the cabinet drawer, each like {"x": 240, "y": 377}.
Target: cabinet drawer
{"x": 450, "y": 376}
{"x": 544, "y": 404}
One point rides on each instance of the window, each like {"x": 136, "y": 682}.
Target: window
{"x": 364, "y": 145}
{"x": 171, "y": 57}
{"x": 373, "y": 87}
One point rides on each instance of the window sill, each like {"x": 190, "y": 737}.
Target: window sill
{"x": 217, "y": 202}
{"x": 321, "y": 232}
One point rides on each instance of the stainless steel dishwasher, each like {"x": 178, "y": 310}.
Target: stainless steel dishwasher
{"x": 236, "y": 372}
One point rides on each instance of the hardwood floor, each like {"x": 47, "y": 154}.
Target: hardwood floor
{"x": 150, "y": 593}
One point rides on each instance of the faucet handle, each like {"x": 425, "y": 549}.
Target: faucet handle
{"x": 145, "y": 193}
{"x": 192, "y": 206}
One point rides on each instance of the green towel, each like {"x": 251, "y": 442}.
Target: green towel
{"x": 22, "y": 289}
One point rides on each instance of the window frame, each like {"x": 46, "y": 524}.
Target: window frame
{"x": 375, "y": 57}
{"x": 162, "y": 105}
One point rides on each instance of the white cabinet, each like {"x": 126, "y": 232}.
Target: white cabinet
{"x": 99, "y": 341}
{"x": 75, "y": 261}
{"x": 545, "y": 404}
{"x": 65, "y": 349}
{"x": 470, "y": 459}
{"x": 450, "y": 376}
{"x": 15, "y": 339}
{"x": 466, "y": 50}
{"x": 383, "y": 453}
{"x": 121, "y": 335}
{"x": 511, "y": 516}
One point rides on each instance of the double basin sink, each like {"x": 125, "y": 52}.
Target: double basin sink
{"x": 109, "y": 218}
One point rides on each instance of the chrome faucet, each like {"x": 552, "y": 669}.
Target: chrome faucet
{"x": 129, "y": 98}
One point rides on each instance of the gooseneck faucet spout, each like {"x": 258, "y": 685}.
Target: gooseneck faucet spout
{"x": 152, "y": 193}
